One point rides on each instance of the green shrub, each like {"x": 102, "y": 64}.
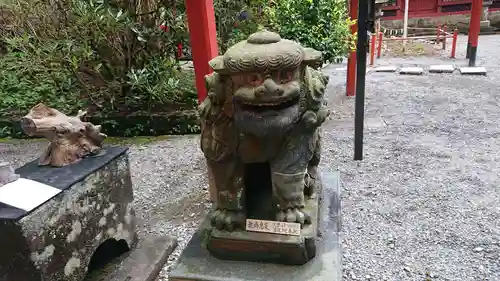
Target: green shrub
{"x": 320, "y": 24}
{"x": 30, "y": 76}
{"x": 111, "y": 58}
{"x": 108, "y": 56}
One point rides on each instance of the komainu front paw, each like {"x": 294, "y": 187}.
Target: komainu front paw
{"x": 223, "y": 219}
{"x": 298, "y": 215}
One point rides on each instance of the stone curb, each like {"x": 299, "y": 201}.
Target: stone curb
{"x": 441, "y": 68}
{"x": 142, "y": 263}
{"x": 411, "y": 70}
{"x": 472, "y": 70}
{"x": 434, "y": 69}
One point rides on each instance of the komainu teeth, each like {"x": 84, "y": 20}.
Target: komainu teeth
{"x": 269, "y": 104}
{"x": 263, "y": 104}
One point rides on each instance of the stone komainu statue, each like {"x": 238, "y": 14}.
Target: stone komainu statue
{"x": 265, "y": 104}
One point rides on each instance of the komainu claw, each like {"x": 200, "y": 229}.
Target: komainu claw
{"x": 281, "y": 216}
{"x": 297, "y": 215}
{"x": 229, "y": 220}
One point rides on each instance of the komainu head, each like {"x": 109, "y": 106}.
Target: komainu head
{"x": 266, "y": 82}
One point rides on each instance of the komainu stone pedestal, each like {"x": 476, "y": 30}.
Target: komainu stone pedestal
{"x": 197, "y": 264}
{"x": 268, "y": 247}
{"x": 52, "y": 220}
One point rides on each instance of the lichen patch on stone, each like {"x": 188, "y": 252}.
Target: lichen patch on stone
{"x": 76, "y": 229}
{"x": 72, "y": 264}
{"x": 111, "y": 232}
{"x": 122, "y": 233}
{"x": 129, "y": 216}
{"x": 98, "y": 238}
{"x": 108, "y": 210}
{"x": 43, "y": 257}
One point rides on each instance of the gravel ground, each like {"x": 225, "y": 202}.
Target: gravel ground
{"x": 170, "y": 186}
{"x": 423, "y": 202}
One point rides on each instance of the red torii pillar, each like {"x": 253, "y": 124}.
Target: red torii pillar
{"x": 474, "y": 29}
{"x": 203, "y": 37}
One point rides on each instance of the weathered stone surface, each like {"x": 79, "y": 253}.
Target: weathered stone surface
{"x": 143, "y": 263}
{"x": 56, "y": 241}
{"x": 473, "y": 71}
{"x": 265, "y": 106}
{"x": 389, "y": 68}
{"x": 411, "y": 70}
{"x": 441, "y": 69}
{"x": 196, "y": 263}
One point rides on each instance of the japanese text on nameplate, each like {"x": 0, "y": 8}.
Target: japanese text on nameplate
{"x": 277, "y": 227}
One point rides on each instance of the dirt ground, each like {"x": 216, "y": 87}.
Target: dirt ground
{"x": 412, "y": 48}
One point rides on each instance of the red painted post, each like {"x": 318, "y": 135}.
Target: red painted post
{"x": 203, "y": 38}
{"x": 379, "y": 47}
{"x": 373, "y": 40}
{"x": 473, "y": 7}
{"x": 454, "y": 43}
{"x": 179, "y": 51}
{"x": 351, "y": 62}
{"x": 444, "y": 37}
{"x": 475, "y": 23}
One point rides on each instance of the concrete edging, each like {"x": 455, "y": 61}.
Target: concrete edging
{"x": 434, "y": 69}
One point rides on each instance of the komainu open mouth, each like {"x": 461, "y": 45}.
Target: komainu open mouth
{"x": 266, "y": 106}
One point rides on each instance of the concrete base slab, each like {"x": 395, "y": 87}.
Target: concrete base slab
{"x": 142, "y": 263}
{"x": 196, "y": 263}
{"x": 472, "y": 71}
{"x": 389, "y": 68}
{"x": 441, "y": 69}
{"x": 411, "y": 71}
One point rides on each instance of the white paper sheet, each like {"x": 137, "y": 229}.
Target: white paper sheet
{"x": 26, "y": 194}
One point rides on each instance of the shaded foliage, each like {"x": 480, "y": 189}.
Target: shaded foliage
{"x": 320, "y": 24}
{"x": 107, "y": 56}
{"x": 111, "y": 58}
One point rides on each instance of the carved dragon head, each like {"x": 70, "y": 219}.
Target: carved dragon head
{"x": 70, "y": 138}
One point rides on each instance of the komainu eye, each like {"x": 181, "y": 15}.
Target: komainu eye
{"x": 285, "y": 76}
{"x": 238, "y": 80}
{"x": 254, "y": 79}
